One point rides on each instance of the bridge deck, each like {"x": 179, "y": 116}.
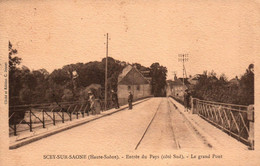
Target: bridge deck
{"x": 154, "y": 126}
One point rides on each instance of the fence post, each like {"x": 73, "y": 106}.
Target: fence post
{"x": 191, "y": 105}
{"x": 53, "y": 118}
{"x": 88, "y": 110}
{"x": 30, "y": 120}
{"x": 83, "y": 112}
{"x": 198, "y": 106}
{"x": 62, "y": 112}
{"x": 15, "y": 134}
{"x": 43, "y": 121}
{"x": 250, "y": 118}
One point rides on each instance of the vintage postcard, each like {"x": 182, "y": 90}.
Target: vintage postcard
{"x": 129, "y": 82}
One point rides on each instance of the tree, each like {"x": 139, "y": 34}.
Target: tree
{"x": 68, "y": 95}
{"x": 39, "y": 86}
{"x": 14, "y": 75}
{"x": 209, "y": 87}
{"x": 13, "y": 60}
{"x": 114, "y": 69}
{"x": 246, "y": 90}
{"x": 223, "y": 78}
{"x": 158, "y": 74}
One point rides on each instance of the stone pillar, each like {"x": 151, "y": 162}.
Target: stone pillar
{"x": 251, "y": 119}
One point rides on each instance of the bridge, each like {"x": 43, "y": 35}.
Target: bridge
{"x": 154, "y": 125}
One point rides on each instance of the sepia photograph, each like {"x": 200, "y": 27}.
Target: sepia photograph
{"x": 127, "y": 82}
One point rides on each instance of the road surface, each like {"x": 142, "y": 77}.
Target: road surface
{"x": 152, "y": 127}
{"x": 155, "y": 125}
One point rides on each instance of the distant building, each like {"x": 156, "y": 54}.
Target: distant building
{"x": 146, "y": 75}
{"x": 194, "y": 79}
{"x": 176, "y": 88}
{"x": 233, "y": 84}
{"x": 169, "y": 86}
{"x": 94, "y": 88}
{"x": 185, "y": 81}
{"x": 132, "y": 80}
{"x": 234, "y": 81}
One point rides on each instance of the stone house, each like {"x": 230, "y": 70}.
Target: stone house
{"x": 132, "y": 80}
{"x": 176, "y": 88}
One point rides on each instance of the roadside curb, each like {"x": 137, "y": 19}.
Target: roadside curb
{"x": 67, "y": 127}
{"x": 201, "y": 133}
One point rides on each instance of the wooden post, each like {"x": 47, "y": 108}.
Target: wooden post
{"x": 83, "y": 113}
{"x": 53, "y": 118}
{"x": 30, "y": 120}
{"x": 250, "y": 118}
{"x": 62, "y": 116}
{"x": 191, "y": 105}
{"x": 43, "y": 120}
{"x": 15, "y": 134}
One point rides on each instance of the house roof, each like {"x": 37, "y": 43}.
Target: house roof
{"x": 185, "y": 80}
{"x": 130, "y": 75}
{"x": 124, "y": 72}
{"x": 93, "y": 86}
{"x": 234, "y": 81}
{"x": 196, "y": 77}
{"x": 177, "y": 82}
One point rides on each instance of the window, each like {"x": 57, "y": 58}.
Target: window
{"x": 138, "y": 87}
{"x": 129, "y": 87}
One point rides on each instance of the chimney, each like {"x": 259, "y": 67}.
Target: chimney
{"x": 175, "y": 77}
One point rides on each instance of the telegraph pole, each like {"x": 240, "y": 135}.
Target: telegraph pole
{"x": 106, "y": 75}
{"x": 183, "y": 58}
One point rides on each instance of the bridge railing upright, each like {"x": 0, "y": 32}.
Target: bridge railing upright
{"x": 236, "y": 120}
{"x": 30, "y": 117}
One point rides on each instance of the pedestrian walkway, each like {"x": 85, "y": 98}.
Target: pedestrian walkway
{"x": 26, "y": 137}
{"x": 214, "y": 136}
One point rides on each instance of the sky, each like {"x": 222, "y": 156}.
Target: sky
{"x": 217, "y": 35}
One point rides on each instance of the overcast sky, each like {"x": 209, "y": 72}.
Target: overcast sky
{"x": 218, "y": 35}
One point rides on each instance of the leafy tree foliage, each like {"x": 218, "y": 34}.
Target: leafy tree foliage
{"x": 158, "y": 74}
{"x": 14, "y": 76}
{"x": 39, "y": 86}
{"x": 211, "y": 88}
{"x": 69, "y": 82}
{"x": 13, "y": 60}
{"x": 246, "y": 88}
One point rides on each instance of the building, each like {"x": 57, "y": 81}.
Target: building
{"x": 132, "y": 80}
{"x": 194, "y": 79}
{"x": 176, "y": 88}
{"x": 234, "y": 81}
{"x": 169, "y": 86}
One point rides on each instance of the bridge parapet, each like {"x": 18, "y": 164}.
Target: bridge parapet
{"x": 29, "y": 117}
{"x": 236, "y": 120}
{"x": 34, "y": 116}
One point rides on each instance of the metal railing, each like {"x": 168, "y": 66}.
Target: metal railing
{"x": 30, "y": 117}
{"x": 236, "y": 120}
